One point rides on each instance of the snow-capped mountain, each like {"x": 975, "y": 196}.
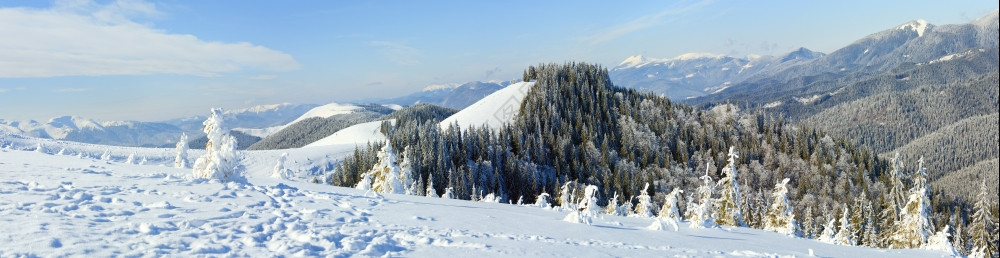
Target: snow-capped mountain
{"x": 912, "y": 42}
{"x": 698, "y": 74}
{"x": 150, "y": 134}
{"x": 457, "y": 96}
{"x": 492, "y": 111}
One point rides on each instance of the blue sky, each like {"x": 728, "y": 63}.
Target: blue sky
{"x": 155, "y": 60}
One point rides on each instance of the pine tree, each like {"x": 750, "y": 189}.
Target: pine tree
{"x": 809, "y": 224}
{"x": 542, "y": 201}
{"x": 728, "y": 211}
{"x": 982, "y": 227}
{"x": 612, "y": 208}
{"x": 958, "y": 238}
{"x": 939, "y": 242}
{"x": 644, "y": 208}
{"x": 448, "y": 193}
{"x": 845, "y": 236}
{"x": 181, "y": 160}
{"x": 780, "y": 217}
{"x": 220, "y": 160}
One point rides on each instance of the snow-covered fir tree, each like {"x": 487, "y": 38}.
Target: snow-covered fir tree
{"x": 670, "y": 211}
{"x": 220, "y": 160}
{"x": 385, "y": 173}
{"x": 700, "y": 214}
{"x": 982, "y": 227}
{"x": 181, "y": 160}
{"x": 644, "y": 208}
{"x": 914, "y": 226}
{"x": 829, "y": 230}
{"x": 808, "y": 224}
{"x": 431, "y": 192}
{"x": 566, "y": 197}
{"x": 280, "y": 171}
{"x": 728, "y": 211}
{"x": 589, "y": 203}
{"x": 406, "y": 174}
{"x": 780, "y": 216}
{"x": 845, "y": 235}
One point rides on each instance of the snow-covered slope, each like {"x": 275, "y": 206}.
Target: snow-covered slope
{"x": 457, "y": 96}
{"x": 327, "y": 110}
{"x": 358, "y": 134}
{"x": 58, "y": 205}
{"x": 494, "y": 110}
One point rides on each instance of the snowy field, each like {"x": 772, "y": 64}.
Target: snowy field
{"x": 75, "y": 204}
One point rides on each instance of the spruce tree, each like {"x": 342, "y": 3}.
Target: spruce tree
{"x": 220, "y": 159}
{"x": 645, "y": 206}
{"x": 700, "y": 214}
{"x": 914, "y": 226}
{"x": 982, "y": 228}
{"x": 845, "y": 236}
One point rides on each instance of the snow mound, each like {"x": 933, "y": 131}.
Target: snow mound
{"x": 358, "y": 134}
{"x": 494, "y": 110}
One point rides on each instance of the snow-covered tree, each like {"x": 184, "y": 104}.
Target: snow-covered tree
{"x": 845, "y": 236}
{"x": 829, "y": 230}
{"x": 406, "y": 174}
{"x": 780, "y": 216}
{"x": 588, "y": 208}
{"x": 982, "y": 227}
{"x": 220, "y": 160}
{"x": 106, "y": 156}
{"x": 645, "y": 206}
{"x": 130, "y": 159}
{"x": 181, "y": 160}
{"x": 700, "y": 214}
{"x": 809, "y": 224}
{"x": 365, "y": 183}
{"x": 385, "y": 173}
{"x": 670, "y": 211}
{"x": 566, "y": 193}
{"x": 543, "y": 199}
{"x": 939, "y": 242}
{"x": 431, "y": 192}
{"x": 589, "y": 203}
{"x": 448, "y": 193}
{"x": 613, "y": 208}
{"x": 280, "y": 171}
{"x": 39, "y": 148}
{"x": 728, "y": 211}
{"x": 914, "y": 226}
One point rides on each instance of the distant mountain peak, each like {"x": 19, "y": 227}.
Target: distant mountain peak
{"x": 443, "y": 86}
{"x": 692, "y": 56}
{"x": 633, "y": 61}
{"x": 919, "y": 25}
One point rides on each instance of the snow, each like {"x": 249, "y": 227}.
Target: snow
{"x": 359, "y": 134}
{"x": 444, "y": 86}
{"x": 919, "y": 26}
{"x": 773, "y": 104}
{"x": 66, "y": 205}
{"x": 327, "y": 110}
{"x": 492, "y": 111}
{"x": 691, "y": 56}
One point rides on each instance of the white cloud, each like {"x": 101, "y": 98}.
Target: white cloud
{"x": 3, "y": 90}
{"x": 85, "y": 38}
{"x": 398, "y": 53}
{"x": 643, "y": 22}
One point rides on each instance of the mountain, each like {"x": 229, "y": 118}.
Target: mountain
{"x": 492, "y": 111}
{"x": 694, "y": 75}
{"x": 448, "y": 95}
{"x": 909, "y": 43}
{"x": 149, "y": 134}
{"x": 119, "y": 133}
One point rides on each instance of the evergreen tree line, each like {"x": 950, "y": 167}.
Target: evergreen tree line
{"x": 575, "y": 129}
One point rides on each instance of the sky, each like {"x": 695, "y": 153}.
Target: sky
{"x": 162, "y": 59}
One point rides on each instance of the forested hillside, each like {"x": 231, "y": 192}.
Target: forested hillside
{"x": 576, "y": 129}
